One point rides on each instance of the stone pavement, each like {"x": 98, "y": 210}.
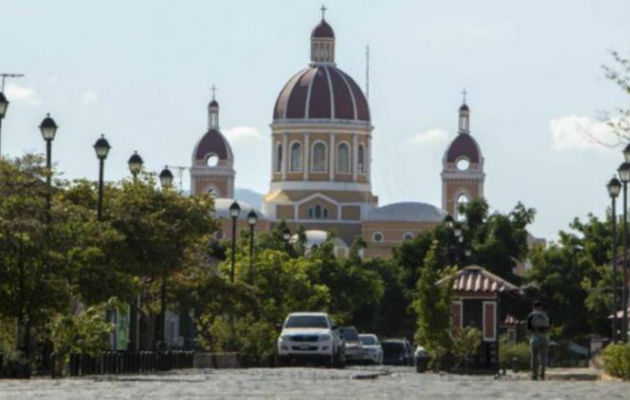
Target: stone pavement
{"x": 309, "y": 383}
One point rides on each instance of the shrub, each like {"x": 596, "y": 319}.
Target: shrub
{"x": 616, "y": 358}
{"x": 515, "y": 356}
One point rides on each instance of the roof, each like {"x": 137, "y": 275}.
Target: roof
{"x": 213, "y": 142}
{"x": 408, "y": 212}
{"x": 321, "y": 92}
{"x": 213, "y": 103}
{"x": 323, "y": 30}
{"x": 476, "y": 279}
{"x": 464, "y": 107}
{"x": 317, "y": 237}
{"x": 222, "y": 209}
{"x": 464, "y": 145}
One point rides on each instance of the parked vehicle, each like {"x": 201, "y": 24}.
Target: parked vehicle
{"x": 353, "y": 347}
{"x": 372, "y": 349}
{"x": 311, "y": 336}
{"x": 421, "y": 359}
{"x": 397, "y": 352}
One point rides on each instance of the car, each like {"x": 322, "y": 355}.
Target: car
{"x": 311, "y": 336}
{"x": 372, "y": 349}
{"x": 353, "y": 346}
{"x": 397, "y": 352}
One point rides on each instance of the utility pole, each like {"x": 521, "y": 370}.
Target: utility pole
{"x": 180, "y": 174}
{"x": 367, "y": 71}
{"x": 6, "y": 75}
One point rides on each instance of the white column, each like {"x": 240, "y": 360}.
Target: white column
{"x": 331, "y": 168}
{"x": 355, "y": 156}
{"x": 284, "y": 155}
{"x": 307, "y": 156}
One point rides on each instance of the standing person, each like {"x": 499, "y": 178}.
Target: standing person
{"x": 538, "y": 324}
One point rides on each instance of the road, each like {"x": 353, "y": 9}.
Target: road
{"x": 307, "y": 383}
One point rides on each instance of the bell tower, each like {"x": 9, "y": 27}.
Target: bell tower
{"x": 212, "y": 161}
{"x": 462, "y": 173}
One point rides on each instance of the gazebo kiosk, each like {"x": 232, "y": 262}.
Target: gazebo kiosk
{"x": 476, "y": 303}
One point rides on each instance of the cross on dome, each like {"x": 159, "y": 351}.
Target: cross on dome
{"x": 214, "y": 89}
{"x": 464, "y": 93}
{"x": 323, "y": 8}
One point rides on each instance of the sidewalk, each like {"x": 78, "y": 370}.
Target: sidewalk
{"x": 564, "y": 374}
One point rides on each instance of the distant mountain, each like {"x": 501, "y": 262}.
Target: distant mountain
{"x": 249, "y": 196}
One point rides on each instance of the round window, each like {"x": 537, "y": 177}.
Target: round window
{"x": 213, "y": 160}
{"x": 408, "y": 236}
{"x": 463, "y": 164}
{"x": 218, "y": 235}
{"x": 378, "y": 237}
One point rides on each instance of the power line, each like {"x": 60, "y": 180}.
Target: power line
{"x": 9, "y": 75}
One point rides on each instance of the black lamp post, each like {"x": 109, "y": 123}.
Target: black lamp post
{"x": 4, "y": 104}
{"x": 450, "y": 224}
{"x": 135, "y": 165}
{"x": 48, "y": 129}
{"x": 166, "y": 178}
{"x": 101, "y": 147}
{"x": 624, "y": 176}
{"x": 614, "y": 187}
{"x": 459, "y": 241}
{"x": 286, "y": 236}
{"x": 252, "y": 217}
{"x": 235, "y": 210}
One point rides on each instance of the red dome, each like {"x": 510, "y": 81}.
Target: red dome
{"x": 323, "y": 30}
{"x": 463, "y": 146}
{"x": 321, "y": 92}
{"x": 213, "y": 142}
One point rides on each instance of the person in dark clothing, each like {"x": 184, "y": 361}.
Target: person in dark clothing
{"x": 538, "y": 325}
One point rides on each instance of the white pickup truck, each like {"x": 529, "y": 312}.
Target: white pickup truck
{"x": 311, "y": 336}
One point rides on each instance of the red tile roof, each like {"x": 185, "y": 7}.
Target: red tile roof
{"x": 475, "y": 279}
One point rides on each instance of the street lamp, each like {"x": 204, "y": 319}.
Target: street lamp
{"x": 614, "y": 187}
{"x": 448, "y": 220}
{"x": 166, "y": 178}
{"x": 48, "y": 129}
{"x": 624, "y": 175}
{"x": 4, "y": 104}
{"x": 235, "y": 210}
{"x": 135, "y": 165}
{"x": 252, "y": 217}
{"x": 286, "y": 236}
{"x": 101, "y": 147}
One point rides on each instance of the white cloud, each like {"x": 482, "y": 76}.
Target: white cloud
{"x": 431, "y": 137}
{"x": 581, "y": 133}
{"x": 90, "y": 97}
{"x": 22, "y": 94}
{"x": 243, "y": 133}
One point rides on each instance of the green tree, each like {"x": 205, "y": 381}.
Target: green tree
{"x": 433, "y": 305}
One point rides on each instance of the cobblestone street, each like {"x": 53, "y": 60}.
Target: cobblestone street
{"x": 309, "y": 383}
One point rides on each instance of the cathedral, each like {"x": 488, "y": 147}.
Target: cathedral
{"x": 320, "y": 175}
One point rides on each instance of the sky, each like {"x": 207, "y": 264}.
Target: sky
{"x": 140, "y": 72}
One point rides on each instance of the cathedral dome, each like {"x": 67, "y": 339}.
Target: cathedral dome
{"x": 322, "y": 92}
{"x": 407, "y": 212}
{"x": 213, "y": 143}
{"x": 464, "y": 145}
{"x": 323, "y": 30}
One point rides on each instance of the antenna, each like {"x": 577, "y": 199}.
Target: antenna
{"x": 367, "y": 71}
{"x": 180, "y": 174}
{"x": 8, "y": 75}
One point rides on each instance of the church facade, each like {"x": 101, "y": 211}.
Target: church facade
{"x": 321, "y": 150}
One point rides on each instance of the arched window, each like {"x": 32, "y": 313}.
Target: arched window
{"x": 279, "y": 157}
{"x": 319, "y": 159}
{"x": 361, "y": 159}
{"x": 318, "y": 211}
{"x": 461, "y": 201}
{"x": 343, "y": 158}
{"x": 296, "y": 157}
